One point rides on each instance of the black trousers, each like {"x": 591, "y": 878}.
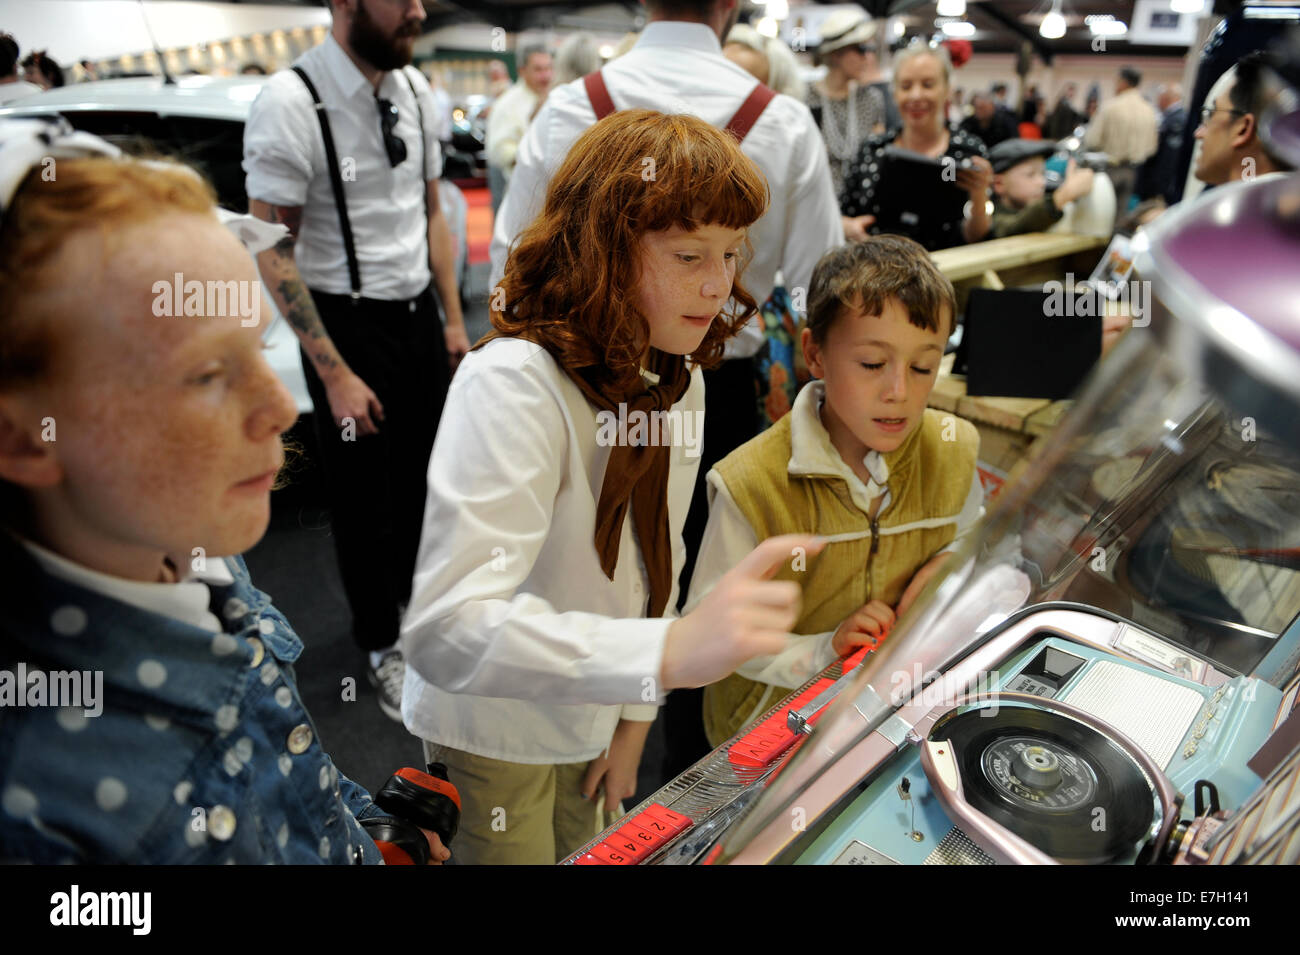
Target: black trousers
{"x": 376, "y": 484}
{"x": 730, "y": 419}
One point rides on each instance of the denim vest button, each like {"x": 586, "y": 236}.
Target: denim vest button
{"x": 259, "y": 652}
{"x": 299, "y": 739}
{"x": 221, "y": 823}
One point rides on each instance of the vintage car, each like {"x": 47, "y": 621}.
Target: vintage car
{"x": 201, "y": 119}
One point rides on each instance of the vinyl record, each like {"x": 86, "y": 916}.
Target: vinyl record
{"x": 1058, "y": 784}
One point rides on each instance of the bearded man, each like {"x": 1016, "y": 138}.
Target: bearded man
{"x": 343, "y": 150}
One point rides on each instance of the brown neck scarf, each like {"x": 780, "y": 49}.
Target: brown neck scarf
{"x": 635, "y": 475}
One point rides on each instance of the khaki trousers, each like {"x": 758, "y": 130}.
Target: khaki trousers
{"x": 516, "y": 813}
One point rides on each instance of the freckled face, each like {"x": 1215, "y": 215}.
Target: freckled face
{"x": 685, "y": 279}
{"x": 167, "y": 427}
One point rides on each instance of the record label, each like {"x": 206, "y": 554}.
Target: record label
{"x": 1039, "y": 774}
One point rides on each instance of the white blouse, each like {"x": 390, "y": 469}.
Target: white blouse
{"x": 518, "y": 647}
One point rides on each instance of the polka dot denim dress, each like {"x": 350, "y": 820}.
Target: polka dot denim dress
{"x": 203, "y": 752}
{"x": 862, "y": 185}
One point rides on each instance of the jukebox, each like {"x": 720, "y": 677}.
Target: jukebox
{"x": 1109, "y": 670}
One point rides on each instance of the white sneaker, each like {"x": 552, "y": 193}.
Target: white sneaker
{"x": 387, "y": 679}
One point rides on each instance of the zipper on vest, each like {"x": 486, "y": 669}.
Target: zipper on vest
{"x": 871, "y": 554}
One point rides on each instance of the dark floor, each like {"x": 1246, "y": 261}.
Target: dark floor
{"x": 295, "y": 564}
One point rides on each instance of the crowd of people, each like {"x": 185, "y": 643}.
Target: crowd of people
{"x": 533, "y": 585}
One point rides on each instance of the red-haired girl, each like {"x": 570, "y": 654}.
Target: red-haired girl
{"x": 537, "y": 638}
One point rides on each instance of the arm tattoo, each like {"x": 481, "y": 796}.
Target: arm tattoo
{"x": 290, "y": 216}
{"x": 299, "y": 309}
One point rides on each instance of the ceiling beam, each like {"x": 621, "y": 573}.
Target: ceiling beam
{"x": 1015, "y": 26}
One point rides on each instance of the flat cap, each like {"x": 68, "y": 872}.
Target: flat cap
{"x": 1012, "y": 151}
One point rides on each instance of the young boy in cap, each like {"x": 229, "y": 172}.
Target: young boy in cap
{"x": 1019, "y": 184}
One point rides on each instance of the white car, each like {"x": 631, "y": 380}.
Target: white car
{"x": 201, "y": 120}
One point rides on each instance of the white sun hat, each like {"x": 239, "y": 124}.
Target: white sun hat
{"x": 845, "y": 28}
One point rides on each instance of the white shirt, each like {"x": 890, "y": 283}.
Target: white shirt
{"x": 507, "y": 124}
{"x": 517, "y": 645}
{"x": 728, "y": 537}
{"x": 284, "y": 159}
{"x": 678, "y": 67}
{"x": 17, "y": 90}
{"x": 188, "y": 600}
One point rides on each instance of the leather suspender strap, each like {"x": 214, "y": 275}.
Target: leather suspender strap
{"x": 598, "y": 93}
{"x": 424, "y": 162}
{"x": 739, "y": 126}
{"x": 749, "y": 111}
{"x": 336, "y": 183}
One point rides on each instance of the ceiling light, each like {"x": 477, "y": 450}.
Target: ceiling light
{"x": 1105, "y": 25}
{"x": 1053, "y": 25}
{"x": 1187, "y": 6}
{"x": 958, "y": 28}
{"x": 951, "y": 8}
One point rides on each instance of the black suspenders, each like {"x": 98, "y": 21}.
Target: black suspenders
{"x": 336, "y": 178}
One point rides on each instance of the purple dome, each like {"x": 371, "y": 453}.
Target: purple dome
{"x": 1240, "y": 246}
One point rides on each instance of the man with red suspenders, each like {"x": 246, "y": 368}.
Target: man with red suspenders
{"x": 677, "y": 66}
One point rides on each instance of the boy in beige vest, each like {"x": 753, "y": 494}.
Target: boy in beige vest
{"x": 859, "y": 460}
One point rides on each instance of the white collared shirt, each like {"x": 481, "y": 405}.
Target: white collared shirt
{"x": 284, "y": 159}
{"x": 517, "y": 645}
{"x": 678, "y": 67}
{"x": 18, "y": 89}
{"x": 188, "y": 600}
{"x": 728, "y": 537}
{"x": 507, "y": 124}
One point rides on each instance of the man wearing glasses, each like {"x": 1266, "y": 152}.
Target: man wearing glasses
{"x": 1231, "y": 149}
{"x": 343, "y": 150}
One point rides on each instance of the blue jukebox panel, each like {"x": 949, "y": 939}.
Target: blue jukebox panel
{"x": 1194, "y": 732}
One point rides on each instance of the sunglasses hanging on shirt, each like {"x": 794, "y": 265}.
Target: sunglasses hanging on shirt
{"x": 393, "y": 144}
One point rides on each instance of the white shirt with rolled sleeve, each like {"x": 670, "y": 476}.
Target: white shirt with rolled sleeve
{"x": 507, "y": 124}
{"x": 517, "y": 645}
{"x": 285, "y": 165}
{"x": 678, "y": 67}
{"x": 728, "y": 537}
